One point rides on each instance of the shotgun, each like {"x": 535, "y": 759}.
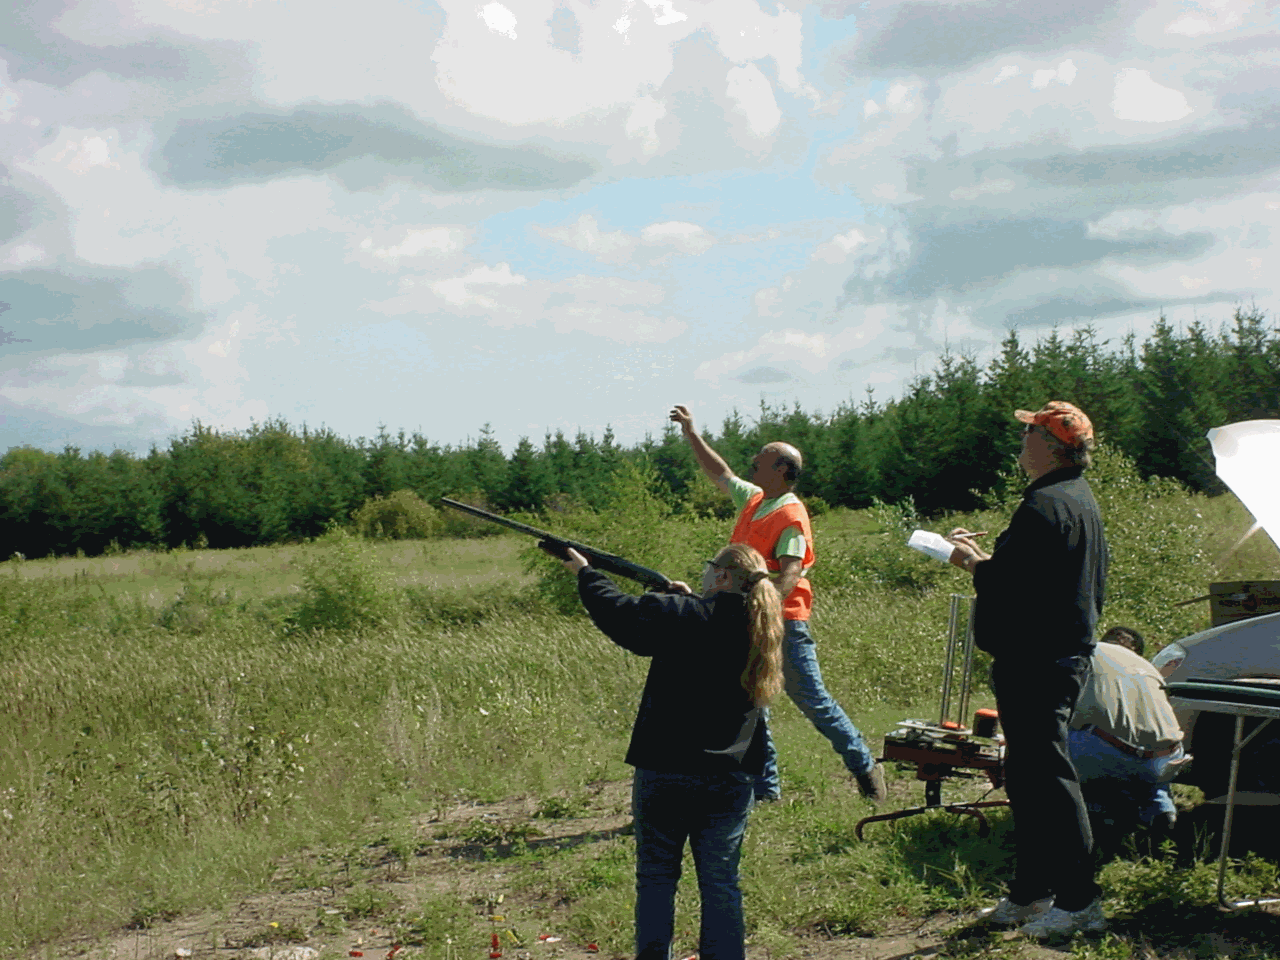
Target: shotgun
{"x": 559, "y": 546}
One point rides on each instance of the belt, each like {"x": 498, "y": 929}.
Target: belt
{"x": 1133, "y": 751}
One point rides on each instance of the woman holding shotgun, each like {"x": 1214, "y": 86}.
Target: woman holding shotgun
{"x": 698, "y": 739}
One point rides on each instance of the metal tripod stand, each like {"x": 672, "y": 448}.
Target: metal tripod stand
{"x": 947, "y": 749}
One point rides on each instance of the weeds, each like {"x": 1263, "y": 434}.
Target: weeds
{"x": 559, "y": 808}
{"x": 439, "y": 923}
{"x": 180, "y": 742}
{"x": 275, "y": 933}
{"x": 366, "y": 901}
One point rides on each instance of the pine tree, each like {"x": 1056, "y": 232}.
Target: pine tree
{"x": 529, "y": 480}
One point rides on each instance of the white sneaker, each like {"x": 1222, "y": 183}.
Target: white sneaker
{"x": 1063, "y": 923}
{"x": 1007, "y": 913}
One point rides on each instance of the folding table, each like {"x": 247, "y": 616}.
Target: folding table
{"x": 1241, "y": 699}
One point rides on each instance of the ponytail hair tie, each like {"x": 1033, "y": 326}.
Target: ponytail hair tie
{"x": 757, "y": 577}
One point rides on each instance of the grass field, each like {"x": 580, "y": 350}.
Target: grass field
{"x": 170, "y": 730}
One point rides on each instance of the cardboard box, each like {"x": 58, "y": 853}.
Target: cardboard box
{"x": 1242, "y": 599}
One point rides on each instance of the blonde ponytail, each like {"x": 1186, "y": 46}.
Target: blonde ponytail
{"x": 762, "y": 678}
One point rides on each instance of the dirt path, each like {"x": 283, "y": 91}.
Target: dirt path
{"x": 316, "y": 923}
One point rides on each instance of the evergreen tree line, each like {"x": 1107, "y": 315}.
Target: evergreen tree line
{"x": 947, "y": 438}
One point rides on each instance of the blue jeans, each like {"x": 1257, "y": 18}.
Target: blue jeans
{"x": 1135, "y": 781}
{"x": 804, "y": 687}
{"x": 710, "y": 811}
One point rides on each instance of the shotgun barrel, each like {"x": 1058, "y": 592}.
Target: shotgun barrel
{"x": 559, "y": 546}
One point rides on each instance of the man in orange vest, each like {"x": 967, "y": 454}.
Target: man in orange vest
{"x": 772, "y": 519}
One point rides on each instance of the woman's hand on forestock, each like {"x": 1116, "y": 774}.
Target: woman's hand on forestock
{"x": 677, "y": 586}
{"x": 575, "y": 562}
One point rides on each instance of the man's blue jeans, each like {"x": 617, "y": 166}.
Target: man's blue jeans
{"x": 804, "y": 687}
{"x": 710, "y": 811}
{"x": 1133, "y": 780}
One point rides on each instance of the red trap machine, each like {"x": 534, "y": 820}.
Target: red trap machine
{"x": 948, "y": 749}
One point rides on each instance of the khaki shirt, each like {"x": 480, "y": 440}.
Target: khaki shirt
{"x": 1125, "y": 697}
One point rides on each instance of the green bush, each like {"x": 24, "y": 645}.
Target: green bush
{"x": 343, "y": 589}
{"x": 1155, "y": 530}
{"x": 881, "y": 558}
{"x": 455, "y": 523}
{"x": 636, "y": 523}
{"x": 401, "y": 516}
{"x": 816, "y": 505}
{"x": 704, "y": 499}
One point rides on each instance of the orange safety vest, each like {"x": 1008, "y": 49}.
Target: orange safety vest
{"x": 763, "y": 534}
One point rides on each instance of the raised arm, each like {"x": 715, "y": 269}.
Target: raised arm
{"x": 712, "y": 463}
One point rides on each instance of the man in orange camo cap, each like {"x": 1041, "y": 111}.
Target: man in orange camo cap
{"x": 1040, "y": 594}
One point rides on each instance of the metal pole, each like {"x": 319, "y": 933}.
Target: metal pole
{"x": 1236, "y": 751}
{"x": 1236, "y": 747}
{"x": 966, "y": 671}
{"x": 945, "y": 712}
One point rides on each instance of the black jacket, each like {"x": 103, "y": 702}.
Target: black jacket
{"x": 693, "y": 700}
{"x": 1041, "y": 593}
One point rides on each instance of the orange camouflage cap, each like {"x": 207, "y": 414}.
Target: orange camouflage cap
{"x": 1065, "y": 421}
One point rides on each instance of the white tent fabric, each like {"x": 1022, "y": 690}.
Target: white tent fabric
{"x": 1248, "y": 461}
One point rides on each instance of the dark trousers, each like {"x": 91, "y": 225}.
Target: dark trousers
{"x": 709, "y": 812}
{"x": 1052, "y": 840}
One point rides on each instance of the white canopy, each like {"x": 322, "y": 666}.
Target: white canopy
{"x": 1248, "y": 461}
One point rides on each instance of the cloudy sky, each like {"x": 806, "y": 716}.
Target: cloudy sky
{"x": 564, "y": 214}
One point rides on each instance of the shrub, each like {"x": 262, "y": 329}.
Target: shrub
{"x": 882, "y": 557}
{"x": 343, "y": 589}
{"x": 455, "y": 523}
{"x": 1157, "y": 557}
{"x": 636, "y": 523}
{"x": 816, "y": 505}
{"x": 704, "y": 499}
{"x": 401, "y": 516}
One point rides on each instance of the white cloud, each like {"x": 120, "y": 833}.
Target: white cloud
{"x": 1138, "y": 97}
{"x": 499, "y": 19}
{"x": 208, "y": 236}
{"x": 102, "y": 389}
{"x": 665, "y": 13}
{"x": 419, "y": 243}
{"x": 808, "y": 351}
{"x": 686, "y": 237}
{"x": 985, "y": 188}
{"x": 1064, "y": 73}
{"x": 765, "y": 300}
{"x": 24, "y": 253}
{"x": 585, "y": 235}
{"x": 458, "y": 292}
{"x": 80, "y": 156}
{"x": 838, "y": 248}
{"x": 655, "y": 240}
{"x": 752, "y": 95}
{"x": 1209, "y": 17}
{"x": 642, "y": 123}
{"x": 1240, "y": 256}
{"x": 1008, "y": 71}
{"x": 609, "y": 307}
{"x": 8, "y": 103}
{"x": 900, "y": 99}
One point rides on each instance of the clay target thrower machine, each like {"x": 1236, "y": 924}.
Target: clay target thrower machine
{"x": 948, "y": 749}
